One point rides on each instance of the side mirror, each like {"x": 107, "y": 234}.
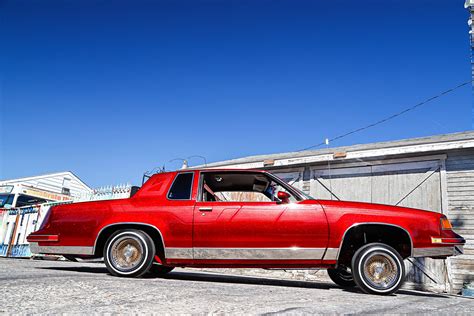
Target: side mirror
{"x": 283, "y": 196}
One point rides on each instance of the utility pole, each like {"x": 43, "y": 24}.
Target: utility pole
{"x": 469, "y": 4}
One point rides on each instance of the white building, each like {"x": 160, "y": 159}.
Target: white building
{"x": 61, "y": 186}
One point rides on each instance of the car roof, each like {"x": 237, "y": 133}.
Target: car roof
{"x": 221, "y": 170}
{"x": 173, "y": 173}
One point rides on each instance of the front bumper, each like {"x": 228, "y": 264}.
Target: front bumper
{"x": 438, "y": 252}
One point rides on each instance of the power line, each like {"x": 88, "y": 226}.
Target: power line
{"x": 392, "y": 116}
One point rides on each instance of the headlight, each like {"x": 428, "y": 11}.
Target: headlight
{"x": 446, "y": 224}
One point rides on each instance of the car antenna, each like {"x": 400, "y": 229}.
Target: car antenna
{"x": 185, "y": 162}
{"x": 329, "y": 169}
{"x": 147, "y": 174}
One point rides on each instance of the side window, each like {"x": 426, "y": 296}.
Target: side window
{"x": 242, "y": 187}
{"x": 181, "y": 188}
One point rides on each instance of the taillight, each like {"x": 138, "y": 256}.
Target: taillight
{"x": 446, "y": 224}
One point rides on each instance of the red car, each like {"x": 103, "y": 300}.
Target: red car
{"x": 246, "y": 219}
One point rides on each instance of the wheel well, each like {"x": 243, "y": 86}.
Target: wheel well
{"x": 360, "y": 235}
{"x": 153, "y": 232}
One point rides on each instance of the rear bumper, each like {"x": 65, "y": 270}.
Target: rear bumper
{"x": 438, "y": 252}
{"x": 61, "y": 250}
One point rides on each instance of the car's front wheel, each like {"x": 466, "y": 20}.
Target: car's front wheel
{"x": 129, "y": 253}
{"x": 378, "y": 269}
{"x": 341, "y": 276}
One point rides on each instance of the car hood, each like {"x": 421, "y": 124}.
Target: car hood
{"x": 371, "y": 207}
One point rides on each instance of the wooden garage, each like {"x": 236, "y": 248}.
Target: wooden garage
{"x": 433, "y": 173}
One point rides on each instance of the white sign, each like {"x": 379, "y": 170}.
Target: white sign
{"x": 6, "y": 189}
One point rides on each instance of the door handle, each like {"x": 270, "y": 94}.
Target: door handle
{"x": 205, "y": 209}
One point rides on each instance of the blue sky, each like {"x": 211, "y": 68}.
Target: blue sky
{"x": 110, "y": 89}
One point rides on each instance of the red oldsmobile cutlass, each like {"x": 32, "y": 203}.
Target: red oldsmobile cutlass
{"x": 242, "y": 219}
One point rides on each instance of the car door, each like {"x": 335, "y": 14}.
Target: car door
{"x": 259, "y": 232}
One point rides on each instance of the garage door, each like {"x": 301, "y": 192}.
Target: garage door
{"x": 413, "y": 184}
{"x": 410, "y": 184}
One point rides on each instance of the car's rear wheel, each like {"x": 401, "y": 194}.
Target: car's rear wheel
{"x": 129, "y": 253}
{"x": 159, "y": 270}
{"x": 341, "y": 276}
{"x": 378, "y": 269}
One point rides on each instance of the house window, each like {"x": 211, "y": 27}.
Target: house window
{"x": 66, "y": 189}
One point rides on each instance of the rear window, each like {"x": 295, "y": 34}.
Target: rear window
{"x": 181, "y": 188}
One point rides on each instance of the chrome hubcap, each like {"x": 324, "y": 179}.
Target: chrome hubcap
{"x": 380, "y": 270}
{"x": 126, "y": 253}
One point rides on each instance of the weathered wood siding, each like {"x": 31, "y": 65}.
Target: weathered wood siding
{"x": 460, "y": 179}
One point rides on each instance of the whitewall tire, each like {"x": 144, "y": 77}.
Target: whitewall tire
{"x": 378, "y": 269}
{"x": 129, "y": 253}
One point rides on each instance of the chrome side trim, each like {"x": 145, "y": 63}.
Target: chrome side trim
{"x": 293, "y": 253}
{"x": 373, "y": 223}
{"x": 179, "y": 253}
{"x": 61, "y": 250}
{"x": 128, "y": 223}
{"x": 438, "y": 251}
{"x": 331, "y": 254}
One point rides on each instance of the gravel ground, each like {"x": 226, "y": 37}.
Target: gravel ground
{"x": 35, "y": 286}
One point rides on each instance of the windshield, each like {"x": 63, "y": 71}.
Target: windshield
{"x": 303, "y": 195}
{"x": 307, "y": 196}
{"x": 26, "y": 200}
{"x": 6, "y": 200}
